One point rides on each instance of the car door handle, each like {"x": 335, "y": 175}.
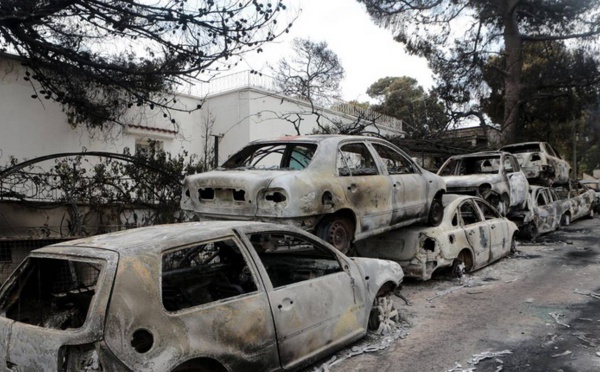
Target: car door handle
{"x": 285, "y": 304}
{"x": 471, "y": 233}
{"x": 493, "y": 227}
{"x": 353, "y": 187}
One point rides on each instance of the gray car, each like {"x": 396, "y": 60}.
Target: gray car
{"x": 208, "y": 296}
{"x": 342, "y": 188}
{"x": 540, "y": 162}
{"x": 542, "y": 215}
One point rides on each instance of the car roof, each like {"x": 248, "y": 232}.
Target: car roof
{"x": 315, "y": 138}
{"x": 157, "y": 238}
{"x": 522, "y": 143}
{"x": 480, "y": 153}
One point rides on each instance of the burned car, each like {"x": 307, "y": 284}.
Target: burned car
{"x": 542, "y": 215}
{"x": 472, "y": 235}
{"x": 493, "y": 175}
{"x": 218, "y": 296}
{"x": 578, "y": 201}
{"x": 595, "y": 186}
{"x": 342, "y": 188}
{"x": 540, "y": 162}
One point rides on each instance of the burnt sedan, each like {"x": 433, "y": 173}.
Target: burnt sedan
{"x": 493, "y": 175}
{"x": 208, "y": 296}
{"x": 542, "y": 215}
{"x": 540, "y": 162}
{"x": 472, "y": 235}
{"x": 342, "y": 188}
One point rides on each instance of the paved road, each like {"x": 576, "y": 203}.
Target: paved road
{"x": 539, "y": 305}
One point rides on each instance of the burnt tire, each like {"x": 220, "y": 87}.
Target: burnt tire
{"x": 513, "y": 244}
{"x": 436, "y": 212}
{"x": 337, "y": 231}
{"x": 565, "y": 220}
{"x": 383, "y": 316}
{"x": 530, "y": 231}
{"x": 462, "y": 264}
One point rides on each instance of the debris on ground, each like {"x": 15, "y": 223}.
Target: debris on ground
{"x": 488, "y": 355}
{"x": 567, "y": 352}
{"x": 583, "y": 337}
{"x": 556, "y": 317}
{"x": 588, "y": 293}
{"x": 370, "y": 344}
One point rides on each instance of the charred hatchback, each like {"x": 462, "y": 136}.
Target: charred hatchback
{"x": 342, "y": 188}
{"x": 217, "y": 296}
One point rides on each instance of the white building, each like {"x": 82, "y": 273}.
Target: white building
{"x": 238, "y": 108}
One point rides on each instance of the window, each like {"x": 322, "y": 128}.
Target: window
{"x": 289, "y": 156}
{"x": 394, "y": 161}
{"x": 355, "y": 160}
{"x": 290, "y": 258}
{"x": 489, "y": 213}
{"x": 469, "y": 214}
{"x": 508, "y": 165}
{"x": 204, "y": 273}
{"x": 5, "y": 253}
{"x": 52, "y": 293}
{"x": 541, "y": 199}
{"x": 148, "y": 147}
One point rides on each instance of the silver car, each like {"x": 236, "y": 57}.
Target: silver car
{"x": 472, "y": 235}
{"x": 342, "y": 188}
{"x": 540, "y": 162}
{"x": 212, "y": 296}
{"x": 493, "y": 175}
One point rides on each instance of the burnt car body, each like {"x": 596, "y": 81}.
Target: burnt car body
{"x": 542, "y": 215}
{"x": 218, "y": 296}
{"x": 342, "y": 188}
{"x": 593, "y": 185}
{"x": 578, "y": 201}
{"x": 492, "y": 175}
{"x": 472, "y": 235}
{"x": 540, "y": 162}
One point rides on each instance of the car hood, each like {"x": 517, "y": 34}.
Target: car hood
{"x": 470, "y": 180}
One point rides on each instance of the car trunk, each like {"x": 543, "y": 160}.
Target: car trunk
{"x": 227, "y": 193}
{"x": 52, "y": 310}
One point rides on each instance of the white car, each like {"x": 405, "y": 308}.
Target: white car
{"x": 342, "y": 188}
{"x": 493, "y": 175}
{"x": 472, "y": 235}
{"x": 540, "y": 162}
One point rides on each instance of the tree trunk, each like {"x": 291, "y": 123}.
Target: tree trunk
{"x": 512, "y": 78}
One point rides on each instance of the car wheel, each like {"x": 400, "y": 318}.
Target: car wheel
{"x": 530, "y": 231}
{"x": 565, "y": 220}
{"x": 513, "y": 244}
{"x": 462, "y": 264}
{"x": 337, "y": 231}
{"x": 384, "y": 315}
{"x": 436, "y": 212}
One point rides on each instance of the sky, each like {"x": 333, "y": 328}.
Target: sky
{"x": 366, "y": 51}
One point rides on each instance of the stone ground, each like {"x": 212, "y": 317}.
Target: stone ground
{"x": 536, "y": 310}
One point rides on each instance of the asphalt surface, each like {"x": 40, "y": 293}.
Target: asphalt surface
{"x": 536, "y": 310}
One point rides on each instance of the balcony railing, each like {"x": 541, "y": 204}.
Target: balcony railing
{"x": 251, "y": 79}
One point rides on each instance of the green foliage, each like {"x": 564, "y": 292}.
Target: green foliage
{"x": 422, "y": 113}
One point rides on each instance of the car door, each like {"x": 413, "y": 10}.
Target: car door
{"x": 317, "y": 304}
{"x": 517, "y": 181}
{"x": 368, "y": 191}
{"x": 477, "y": 232}
{"x": 499, "y": 240}
{"x": 409, "y": 187}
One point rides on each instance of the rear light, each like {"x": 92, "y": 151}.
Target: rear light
{"x": 272, "y": 200}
